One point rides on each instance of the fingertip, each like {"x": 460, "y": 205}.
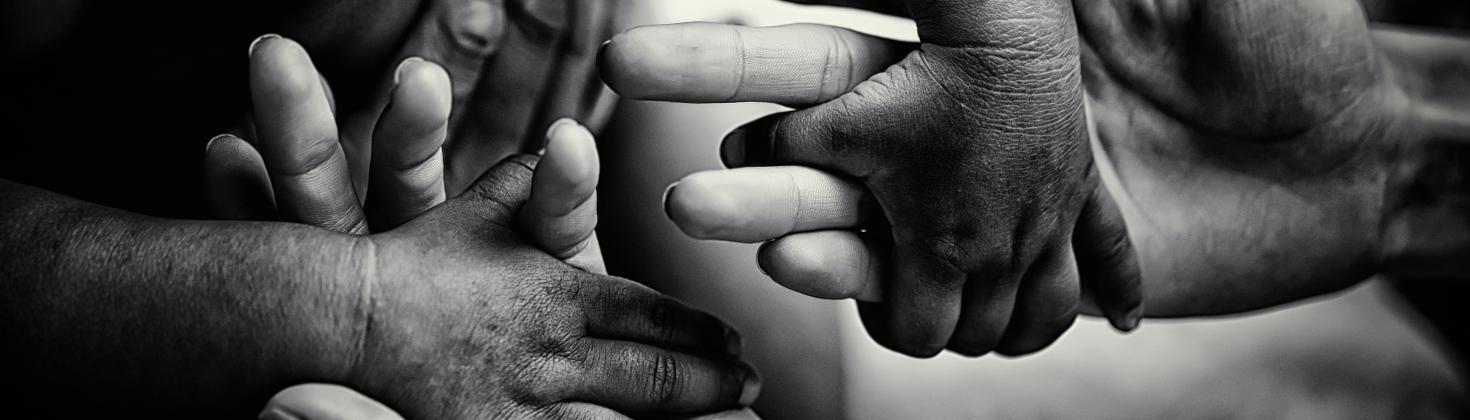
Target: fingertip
{"x": 286, "y": 64}
{"x": 208, "y": 147}
{"x": 424, "y": 88}
{"x": 824, "y": 265}
{"x": 732, "y": 148}
{"x": 570, "y": 170}
{"x": 258, "y": 40}
{"x": 703, "y": 208}
{"x": 695, "y": 62}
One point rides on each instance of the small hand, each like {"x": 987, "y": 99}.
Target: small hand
{"x": 560, "y": 214}
{"x": 973, "y": 148}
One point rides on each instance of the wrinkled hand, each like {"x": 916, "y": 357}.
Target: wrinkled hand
{"x": 304, "y": 162}
{"x": 468, "y": 321}
{"x": 1255, "y": 144}
{"x": 1258, "y": 151}
{"x": 971, "y": 153}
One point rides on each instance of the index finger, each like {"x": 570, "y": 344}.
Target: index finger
{"x": 298, "y": 138}
{"x": 794, "y": 65}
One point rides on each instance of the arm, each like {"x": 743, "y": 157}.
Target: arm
{"x": 107, "y": 311}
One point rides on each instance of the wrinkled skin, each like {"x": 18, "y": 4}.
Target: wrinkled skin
{"x": 469, "y": 321}
{"x": 1255, "y": 145}
{"x": 300, "y": 175}
{"x": 974, "y": 148}
{"x": 1260, "y": 152}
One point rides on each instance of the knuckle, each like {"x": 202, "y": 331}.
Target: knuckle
{"x": 664, "y": 380}
{"x": 663, "y": 316}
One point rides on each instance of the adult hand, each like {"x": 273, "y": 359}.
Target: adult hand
{"x": 304, "y": 175}
{"x": 560, "y": 214}
{"x": 1266, "y": 151}
{"x": 973, "y": 148}
{"x": 1247, "y": 179}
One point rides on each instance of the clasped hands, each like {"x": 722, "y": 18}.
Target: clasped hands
{"x": 951, "y": 185}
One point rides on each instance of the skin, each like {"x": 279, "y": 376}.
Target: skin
{"x": 407, "y": 316}
{"x": 406, "y": 179}
{"x": 300, "y": 295}
{"x": 973, "y": 147}
{"x": 1232, "y": 206}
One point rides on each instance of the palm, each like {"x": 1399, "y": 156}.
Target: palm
{"x": 1243, "y": 135}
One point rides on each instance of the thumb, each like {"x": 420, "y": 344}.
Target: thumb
{"x": 562, "y": 213}
{"x": 324, "y": 402}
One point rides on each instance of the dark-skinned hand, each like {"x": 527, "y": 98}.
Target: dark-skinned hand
{"x": 971, "y": 147}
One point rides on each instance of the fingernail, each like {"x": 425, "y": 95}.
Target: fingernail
{"x": 752, "y": 388}
{"x": 398, "y": 72}
{"x": 1134, "y": 319}
{"x": 260, "y": 39}
{"x": 734, "y": 343}
{"x": 732, "y": 148}
{"x": 559, "y": 124}
{"x": 760, "y": 258}
{"x": 277, "y": 414}
{"x": 667, "y": 192}
{"x": 210, "y": 145}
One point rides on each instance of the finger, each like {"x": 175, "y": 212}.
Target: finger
{"x": 989, "y": 303}
{"x": 237, "y": 186}
{"x": 542, "y": 71}
{"x": 795, "y": 65}
{"x": 892, "y": 7}
{"x": 1046, "y": 305}
{"x": 760, "y": 204}
{"x": 562, "y": 214}
{"x": 828, "y": 264}
{"x": 324, "y": 402}
{"x": 459, "y": 35}
{"x": 1106, "y": 260}
{"x": 741, "y": 414}
{"x": 632, "y": 377}
{"x": 584, "y": 411}
{"x": 623, "y": 310}
{"x": 407, "y": 175}
{"x": 298, "y": 139}
{"x": 590, "y": 259}
{"x": 921, "y": 305}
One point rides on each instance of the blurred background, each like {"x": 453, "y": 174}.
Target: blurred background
{"x": 1364, "y": 353}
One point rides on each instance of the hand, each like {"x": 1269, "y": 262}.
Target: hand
{"x": 305, "y": 173}
{"x": 468, "y": 321}
{"x": 1190, "y": 161}
{"x": 1259, "y": 147}
{"x": 973, "y": 148}
{"x": 560, "y": 214}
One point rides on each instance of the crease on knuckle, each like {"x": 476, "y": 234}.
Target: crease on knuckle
{"x": 664, "y": 382}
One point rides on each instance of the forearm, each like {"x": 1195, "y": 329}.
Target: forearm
{"x": 108, "y": 310}
{"x": 1426, "y": 227}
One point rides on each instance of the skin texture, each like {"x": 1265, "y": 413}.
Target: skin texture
{"x": 1247, "y": 179}
{"x": 147, "y": 261}
{"x": 406, "y": 180}
{"x": 449, "y": 316}
{"x": 973, "y": 147}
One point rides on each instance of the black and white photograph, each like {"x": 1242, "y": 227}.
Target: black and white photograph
{"x": 735, "y": 209}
